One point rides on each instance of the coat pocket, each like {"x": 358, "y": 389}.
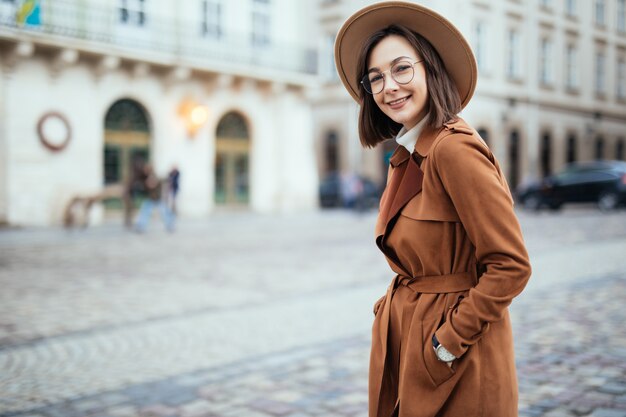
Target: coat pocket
{"x": 438, "y": 371}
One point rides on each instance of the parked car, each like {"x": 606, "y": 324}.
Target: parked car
{"x": 602, "y": 182}
{"x": 332, "y": 192}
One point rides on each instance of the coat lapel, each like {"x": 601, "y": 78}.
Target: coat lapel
{"x": 405, "y": 183}
{"x": 397, "y": 161}
{"x": 409, "y": 186}
{"x": 406, "y": 180}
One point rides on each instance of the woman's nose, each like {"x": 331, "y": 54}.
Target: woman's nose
{"x": 390, "y": 84}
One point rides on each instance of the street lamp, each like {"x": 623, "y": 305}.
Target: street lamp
{"x": 194, "y": 115}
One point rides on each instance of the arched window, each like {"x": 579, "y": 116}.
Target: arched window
{"x": 232, "y": 126}
{"x": 126, "y": 115}
{"x": 232, "y": 155}
{"x": 126, "y": 141}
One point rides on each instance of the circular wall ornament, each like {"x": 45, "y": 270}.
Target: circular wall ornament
{"x": 54, "y": 131}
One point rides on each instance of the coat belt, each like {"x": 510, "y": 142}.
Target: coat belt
{"x": 437, "y": 284}
{"x": 432, "y": 284}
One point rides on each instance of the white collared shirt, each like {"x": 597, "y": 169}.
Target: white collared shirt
{"x": 408, "y": 138}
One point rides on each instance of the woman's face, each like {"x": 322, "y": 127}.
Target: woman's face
{"x": 403, "y": 103}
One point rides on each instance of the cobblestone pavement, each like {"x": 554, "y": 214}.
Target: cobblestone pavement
{"x": 237, "y": 316}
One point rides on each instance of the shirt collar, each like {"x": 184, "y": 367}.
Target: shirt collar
{"x": 428, "y": 137}
{"x": 408, "y": 138}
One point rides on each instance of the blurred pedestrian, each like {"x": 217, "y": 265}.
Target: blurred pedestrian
{"x": 154, "y": 200}
{"x": 351, "y": 189}
{"x": 173, "y": 179}
{"x": 133, "y": 189}
{"x": 442, "y": 343}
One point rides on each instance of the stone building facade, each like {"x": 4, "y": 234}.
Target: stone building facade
{"x": 551, "y": 89}
{"x": 218, "y": 88}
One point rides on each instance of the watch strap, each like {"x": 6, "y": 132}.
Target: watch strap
{"x": 435, "y": 342}
{"x": 438, "y": 347}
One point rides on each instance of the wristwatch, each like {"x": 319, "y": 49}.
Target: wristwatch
{"x": 442, "y": 353}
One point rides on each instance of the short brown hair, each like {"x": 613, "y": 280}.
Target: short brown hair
{"x": 443, "y": 102}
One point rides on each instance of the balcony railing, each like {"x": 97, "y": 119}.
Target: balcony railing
{"x": 175, "y": 41}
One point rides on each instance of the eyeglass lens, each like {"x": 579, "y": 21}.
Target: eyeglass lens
{"x": 402, "y": 73}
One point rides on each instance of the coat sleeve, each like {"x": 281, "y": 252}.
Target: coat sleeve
{"x": 478, "y": 190}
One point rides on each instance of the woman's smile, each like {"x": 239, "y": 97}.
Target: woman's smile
{"x": 398, "y": 103}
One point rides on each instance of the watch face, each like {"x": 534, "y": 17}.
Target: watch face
{"x": 444, "y": 355}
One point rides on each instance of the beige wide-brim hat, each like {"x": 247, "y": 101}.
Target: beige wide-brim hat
{"x": 454, "y": 50}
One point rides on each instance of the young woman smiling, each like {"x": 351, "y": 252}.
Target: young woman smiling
{"x": 442, "y": 343}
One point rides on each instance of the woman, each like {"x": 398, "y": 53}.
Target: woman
{"x": 442, "y": 343}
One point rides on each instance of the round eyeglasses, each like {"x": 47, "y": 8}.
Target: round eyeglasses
{"x": 402, "y": 72}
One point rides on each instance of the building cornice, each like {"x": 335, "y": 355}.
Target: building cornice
{"x": 251, "y": 66}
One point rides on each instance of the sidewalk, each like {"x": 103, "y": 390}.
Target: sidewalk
{"x": 238, "y": 316}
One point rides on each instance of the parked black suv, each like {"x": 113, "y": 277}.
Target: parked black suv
{"x": 602, "y": 182}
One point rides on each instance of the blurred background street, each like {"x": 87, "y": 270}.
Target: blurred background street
{"x": 254, "y": 315}
{"x": 252, "y": 296}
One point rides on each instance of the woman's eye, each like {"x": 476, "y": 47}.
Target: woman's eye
{"x": 376, "y": 78}
{"x": 401, "y": 68}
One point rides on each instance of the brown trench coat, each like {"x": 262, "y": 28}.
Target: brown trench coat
{"x": 449, "y": 225}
